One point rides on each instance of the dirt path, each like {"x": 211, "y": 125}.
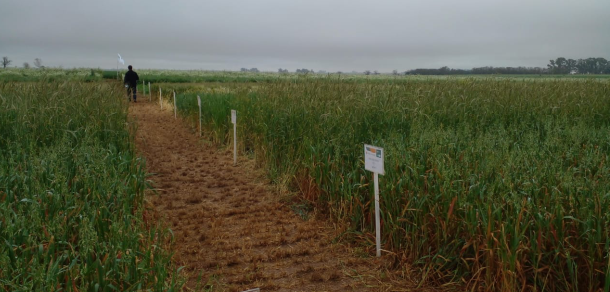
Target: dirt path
{"x": 232, "y": 232}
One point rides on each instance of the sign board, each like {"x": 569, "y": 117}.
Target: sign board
{"x": 373, "y": 159}
{"x": 233, "y": 116}
{"x": 198, "y": 101}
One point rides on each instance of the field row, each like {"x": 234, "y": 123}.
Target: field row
{"x": 72, "y": 194}
{"x": 498, "y": 184}
{"x": 199, "y": 76}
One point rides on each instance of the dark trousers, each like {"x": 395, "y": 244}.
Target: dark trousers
{"x": 131, "y": 89}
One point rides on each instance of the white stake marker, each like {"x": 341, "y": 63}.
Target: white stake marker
{"x": 149, "y": 93}
{"x": 373, "y": 161}
{"x": 234, "y": 121}
{"x": 160, "y": 101}
{"x": 175, "y": 115}
{"x": 199, "y": 104}
{"x": 143, "y": 88}
{"x": 377, "y": 219}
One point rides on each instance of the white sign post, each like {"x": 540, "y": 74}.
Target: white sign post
{"x": 149, "y": 93}
{"x": 175, "y": 115}
{"x": 373, "y": 161}
{"x": 199, "y": 104}
{"x": 160, "y": 101}
{"x": 234, "y": 121}
{"x": 143, "y": 88}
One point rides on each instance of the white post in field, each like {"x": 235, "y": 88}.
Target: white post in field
{"x": 143, "y": 88}
{"x": 160, "y": 101}
{"x": 234, "y": 121}
{"x": 175, "y": 115}
{"x": 149, "y": 93}
{"x": 199, "y": 104}
{"x": 377, "y": 223}
{"x": 373, "y": 161}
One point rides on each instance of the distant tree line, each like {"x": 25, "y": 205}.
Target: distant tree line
{"x": 6, "y": 61}
{"x": 480, "y": 70}
{"x": 581, "y": 66}
{"x": 558, "y": 66}
{"x": 305, "y": 71}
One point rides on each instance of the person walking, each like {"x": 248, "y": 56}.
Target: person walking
{"x": 131, "y": 82}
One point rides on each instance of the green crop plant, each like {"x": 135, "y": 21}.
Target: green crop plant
{"x": 498, "y": 184}
{"x": 72, "y": 193}
{"x": 51, "y": 75}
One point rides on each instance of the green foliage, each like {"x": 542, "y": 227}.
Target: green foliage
{"x": 186, "y": 76}
{"x": 499, "y": 183}
{"x": 192, "y": 76}
{"x": 198, "y": 76}
{"x": 72, "y": 194}
{"x": 50, "y": 75}
{"x": 175, "y": 76}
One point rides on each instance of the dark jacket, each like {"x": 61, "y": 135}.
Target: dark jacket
{"x": 131, "y": 78}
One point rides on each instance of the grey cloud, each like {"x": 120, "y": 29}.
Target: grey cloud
{"x": 327, "y": 35}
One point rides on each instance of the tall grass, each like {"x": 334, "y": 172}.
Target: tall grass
{"x": 199, "y": 76}
{"x": 51, "y": 75}
{"x": 498, "y": 184}
{"x": 72, "y": 194}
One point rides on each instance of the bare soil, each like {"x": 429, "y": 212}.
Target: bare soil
{"x": 233, "y": 231}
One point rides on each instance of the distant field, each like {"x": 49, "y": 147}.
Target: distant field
{"x": 196, "y": 76}
{"x": 177, "y": 76}
{"x": 50, "y": 75}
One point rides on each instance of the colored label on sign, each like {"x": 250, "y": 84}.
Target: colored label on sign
{"x": 373, "y": 159}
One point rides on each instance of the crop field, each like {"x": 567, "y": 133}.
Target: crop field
{"x": 498, "y": 184}
{"x": 72, "y": 194}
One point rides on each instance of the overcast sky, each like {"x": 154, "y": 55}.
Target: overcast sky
{"x": 326, "y": 35}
